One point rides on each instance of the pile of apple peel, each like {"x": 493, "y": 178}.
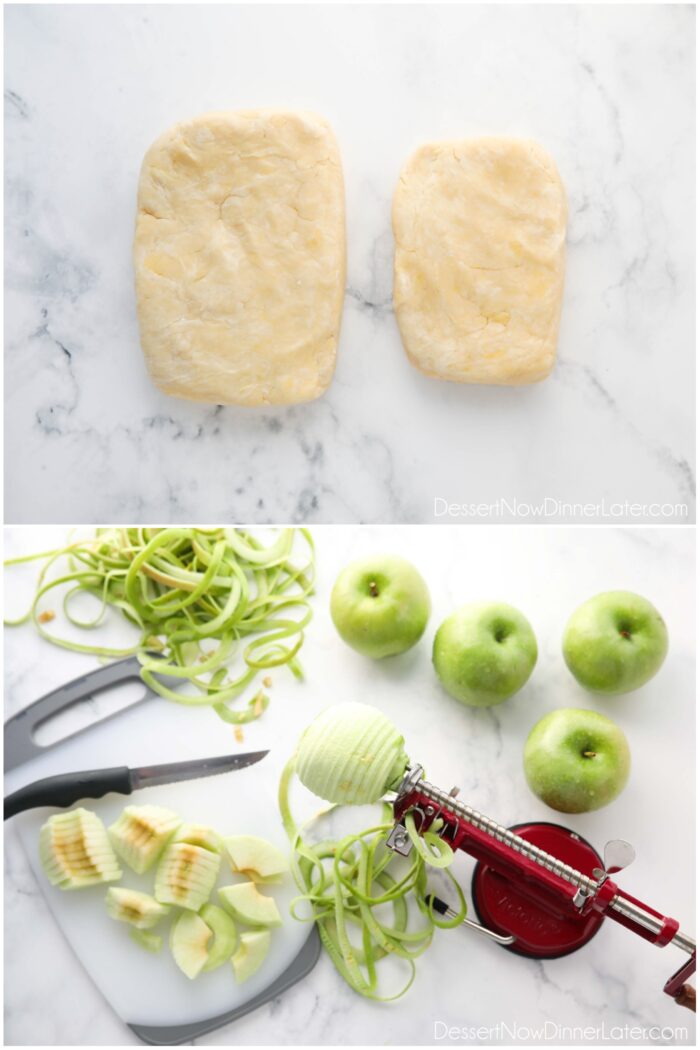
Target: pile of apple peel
{"x": 194, "y": 595}
{"x": 77, "y": 851}
{"x": 353, "y": 754}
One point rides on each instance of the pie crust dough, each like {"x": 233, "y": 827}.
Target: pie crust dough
{"x": 240, "y": 257}
{"x": 479, "y": 226}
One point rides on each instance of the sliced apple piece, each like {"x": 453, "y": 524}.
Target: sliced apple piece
{"x": 186, "y": 875}
{"x": 140, "y": 834}
{"x": 189, "y": 940}
{"x": 139, "y": 909}
{"x": 255, "y": 857}
{"x": 224, "y": 929}
{"x": 251, "y": 954}
{"x": 152, "y": 942}
{"x": 75, "y": 851}
{"x": 245, "y": 902}
{"x": 199, "y": 835}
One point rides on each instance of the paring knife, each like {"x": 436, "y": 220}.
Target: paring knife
{"x": 68, "y": 788}
{"x": 20, "y": 745}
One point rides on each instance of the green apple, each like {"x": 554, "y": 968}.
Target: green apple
{"x": 255, "y": 857}
{"x": 199, "y": 835}
{"x": 245, "y": 902}
{"x": 152, "y": 942}
{"x": 189, "y": 940}
{"x": 615, "y": 642}
{"x": 139, "y": 909}
{"x": 380, "y": 605}
{"x": 224, "y": 930}
{"x": 576, "y": 760}
{"x": 252, "y": 950}
{"x": 484, "y": 652}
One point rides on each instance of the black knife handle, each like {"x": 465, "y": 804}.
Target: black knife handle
{"x": 64, "y": 790}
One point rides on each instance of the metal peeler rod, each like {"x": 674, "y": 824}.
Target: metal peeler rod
{"x": 627, "y": 908}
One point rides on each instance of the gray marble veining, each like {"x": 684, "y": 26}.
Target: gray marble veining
{"x": 463, "y": 980}
{"x": 608, "y": 90}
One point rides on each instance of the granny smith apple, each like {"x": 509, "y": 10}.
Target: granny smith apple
{"x": 484, "y": 652}
{"x": 255, "y": 857}
{"x": 380, "y": 605}
{"x": 245, "y": 902}
{"x": 252, "y": 951}
{"x": 576, "y": 760}
{"x": 615, "y": 642}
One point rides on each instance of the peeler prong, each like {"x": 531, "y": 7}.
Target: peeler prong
{"x": 445, "y": 909}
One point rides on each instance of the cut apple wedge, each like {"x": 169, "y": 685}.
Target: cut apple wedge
{"x": 251, "y": 954}
{"x": 186, "y": 875}
{"x": 224, "y": 929}
{"x": 245, "y": 902}
{"x": 132, "y": 906}
{"x": 199, "y": 835}
{"x": 75, "y": 851}
{"x": 152, "y": 942}
{"x": 140, "y": 834}
{"x": 255, "y": 857}
{"x": 189, "y": 940}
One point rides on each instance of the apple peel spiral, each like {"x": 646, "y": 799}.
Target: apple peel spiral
{"x": 352, "y": 754}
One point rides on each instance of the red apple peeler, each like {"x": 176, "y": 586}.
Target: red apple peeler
{"x": 539, "y": 889}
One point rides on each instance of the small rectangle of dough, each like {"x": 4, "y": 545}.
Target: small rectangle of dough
{"x": 240, "y": 258}
{"x": 479, "y": 266}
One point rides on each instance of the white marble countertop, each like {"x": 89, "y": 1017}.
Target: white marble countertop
{"x": 607, "y": 89}
{"x": 463, "y": 981}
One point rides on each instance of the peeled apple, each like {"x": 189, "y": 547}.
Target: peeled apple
{"x": 76, "y": 852}
{"x": 351, "y": 753}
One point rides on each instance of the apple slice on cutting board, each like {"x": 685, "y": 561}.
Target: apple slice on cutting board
{"x": 142, "y": 988}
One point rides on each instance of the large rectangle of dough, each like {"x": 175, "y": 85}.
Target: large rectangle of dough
{"x": 240, "y": 257}
{"x": 479, "y": 266}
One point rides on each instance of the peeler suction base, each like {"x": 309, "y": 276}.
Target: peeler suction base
{"x": 542, "y": 928}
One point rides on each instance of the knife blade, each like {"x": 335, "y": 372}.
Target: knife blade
{"x": 67, "y": 788}
{"x": 172, "y": 772}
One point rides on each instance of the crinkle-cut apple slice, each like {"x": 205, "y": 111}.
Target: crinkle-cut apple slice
{"x": 245, "y": 902}
{"x": 139, "y": 909}
{"x": 139, "y": 835}
{"x": 199, "y": 835}
{"x": 186, "y": 875}
{"x": 251, "y": 954}
{"x": 75, "y": 852}
{"x": 189, "y": 940}
{"x": 255, "y": 857}
{"x": 152, "y": 942}
{"x": 224, "y": 929}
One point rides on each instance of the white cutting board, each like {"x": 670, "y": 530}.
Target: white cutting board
{"x": 149, "y": 989}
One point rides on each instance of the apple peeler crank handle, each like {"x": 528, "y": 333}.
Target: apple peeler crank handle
{"x": 624, "y": 907}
